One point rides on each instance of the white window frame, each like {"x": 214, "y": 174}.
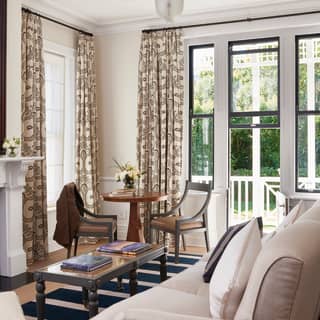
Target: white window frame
{"x": 220, "y": 35}
{"x": 69, "y": 56}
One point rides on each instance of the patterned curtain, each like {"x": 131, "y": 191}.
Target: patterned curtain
{"x": 160, "y": 114}
{"x": 35, "y": 229}
{"x": 86, "y": 123}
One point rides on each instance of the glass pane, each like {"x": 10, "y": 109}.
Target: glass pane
{"x": 270, "y": 152}
{"x": 308, "y": 153}
{"x": 203, "y": 80}
{"x": 255, "y": 46}
{"x": 202, "y": 149}
{"x": 255, "y": 82}
{"x": 241, "y": 152}
{"x": 254, "y": 120}
{"x": 309, "y": 74}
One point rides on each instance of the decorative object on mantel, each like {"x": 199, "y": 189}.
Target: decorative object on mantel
{"x": 128, "y": 174}
{"x": 168, "y": 9}
{"x": 12, "y": 146}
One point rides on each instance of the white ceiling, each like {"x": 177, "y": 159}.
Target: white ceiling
{"x": 105, "y": 13}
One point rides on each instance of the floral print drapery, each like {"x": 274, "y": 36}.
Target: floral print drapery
{"x": 35, "y": 229}
{"x": 86, "y": 123}
{"x": 160, "y": 113}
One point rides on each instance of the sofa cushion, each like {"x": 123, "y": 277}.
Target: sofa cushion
{"x": 162, "y": 299}
{"x": 189, "y": 280}
{"x": 219, "y": 249}
{"x": 292, "y": 216}
{"x": 285, "y": 279}
{"x": 233, "y": 270}
{"x": 312, "y": 214}
{"x": 145, "y": 314}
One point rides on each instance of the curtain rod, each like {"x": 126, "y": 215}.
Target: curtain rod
{"x": 57, "y": 22}
{"x": 234, "y": 21}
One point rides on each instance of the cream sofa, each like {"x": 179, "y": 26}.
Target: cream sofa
{"x": 284, "y": 284}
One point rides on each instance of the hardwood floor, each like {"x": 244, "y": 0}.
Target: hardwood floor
{"x": 27, "y": 293}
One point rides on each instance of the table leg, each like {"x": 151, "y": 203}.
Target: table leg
{"x": 133, "y": 282}
{"x": 85, "y": 298}
{"x": 163, "y": 267}
{"x": 135, "y": 231}
{"x": 40, "y": 298}
{"x": 93, "y": 302}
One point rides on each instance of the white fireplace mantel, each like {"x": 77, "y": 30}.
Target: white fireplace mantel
{"x": 12, "y": 181}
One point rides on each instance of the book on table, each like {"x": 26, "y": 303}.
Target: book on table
{"x": 86, "y": 262}
{"x": 125, "y": 247}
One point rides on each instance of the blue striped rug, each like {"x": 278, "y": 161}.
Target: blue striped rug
{"x": 66, "y": 303}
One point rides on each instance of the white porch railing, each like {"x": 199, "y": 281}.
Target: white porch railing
{"x": 251, "y": 197}
{"x": 244, "y": 205}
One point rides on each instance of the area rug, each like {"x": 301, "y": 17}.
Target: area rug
{"x": 66, "y": 303}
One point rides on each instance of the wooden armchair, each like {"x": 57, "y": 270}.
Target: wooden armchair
{"x": 175, "y": 223}
{"x": 73, "y": 221}
{"x": 93, "y": 225}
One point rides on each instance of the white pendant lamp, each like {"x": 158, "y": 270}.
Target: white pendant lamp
{"x": 168, "y": 9}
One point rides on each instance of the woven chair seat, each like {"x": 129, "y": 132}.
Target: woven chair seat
{"x": 168, "y": 224}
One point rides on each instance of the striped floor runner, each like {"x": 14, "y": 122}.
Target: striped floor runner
{"x": 66, "y": 303}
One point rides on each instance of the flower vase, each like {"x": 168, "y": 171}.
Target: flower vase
{"x": 12, "y": 152}
{"x": 129, "y": 183}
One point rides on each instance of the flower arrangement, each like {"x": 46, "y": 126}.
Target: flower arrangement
{"x": 11, "y": 145}
{"x": 128, "y": 174}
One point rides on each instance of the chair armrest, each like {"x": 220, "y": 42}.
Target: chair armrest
{"x": 91, "y": 214}
{"x": 10, "y": 306}
{"x": 93, "y": 222}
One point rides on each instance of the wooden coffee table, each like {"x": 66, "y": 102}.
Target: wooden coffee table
{"x": 91, "y": 281}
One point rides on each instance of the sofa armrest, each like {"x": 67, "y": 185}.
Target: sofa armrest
{"x": 10, "y": 306}
{"x": 147, "y": 314}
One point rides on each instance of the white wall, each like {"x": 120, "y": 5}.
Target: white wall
{"x": 117, "y": 83}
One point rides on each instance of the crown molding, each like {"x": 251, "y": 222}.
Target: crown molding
{"x": 210, "y": 16}
{"x": 47, "y": 8}
{"x": 265, "y": 8}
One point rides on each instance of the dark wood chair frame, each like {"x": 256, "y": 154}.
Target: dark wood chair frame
{"x": 83, "y": 212}
{"x": 202, "y": 214}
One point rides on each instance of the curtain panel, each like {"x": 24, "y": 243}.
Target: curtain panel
{"x": 86, "y": 123}
{"x": 160, "y": 115}
{"x": 33, "y": 140}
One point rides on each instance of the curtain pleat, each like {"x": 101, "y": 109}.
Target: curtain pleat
{"x": 86, "y": 124}
{"x": 35, "y": 228}
{"x": 160, "y": 116}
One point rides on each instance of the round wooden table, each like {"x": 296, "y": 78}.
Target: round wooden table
{"x": 135, "y": 231}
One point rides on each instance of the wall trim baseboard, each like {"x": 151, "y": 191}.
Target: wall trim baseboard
{"x": 11, "y": 283}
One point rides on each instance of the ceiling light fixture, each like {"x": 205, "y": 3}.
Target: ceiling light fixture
{"x": 168, "y": 9}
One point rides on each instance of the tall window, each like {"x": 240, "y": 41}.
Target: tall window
{"x": 201, "y": 113}
{"x": 308, "y": 113}
{"x": 254, "y": 129}
{"x": 60, "y": 93}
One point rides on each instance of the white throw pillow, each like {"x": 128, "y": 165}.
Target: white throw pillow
{"x": 231, "y": 275}
{"x": 292, "y": 216}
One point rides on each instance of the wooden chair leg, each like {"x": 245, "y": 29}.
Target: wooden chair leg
{"x": 206, "y": 239}
{"x": 69, "y": 251}
{"x": 158, "y": 236}
{"x": 176, "y": 253}
{"x": 76, "y": 239}
{"x": 183, "y": 242}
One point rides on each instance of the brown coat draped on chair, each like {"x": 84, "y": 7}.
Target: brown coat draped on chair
{"x": 68, "y": 218}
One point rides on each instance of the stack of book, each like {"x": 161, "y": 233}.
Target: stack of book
{"x": 86, "y": 262}
{"x": 125, "y": 247}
